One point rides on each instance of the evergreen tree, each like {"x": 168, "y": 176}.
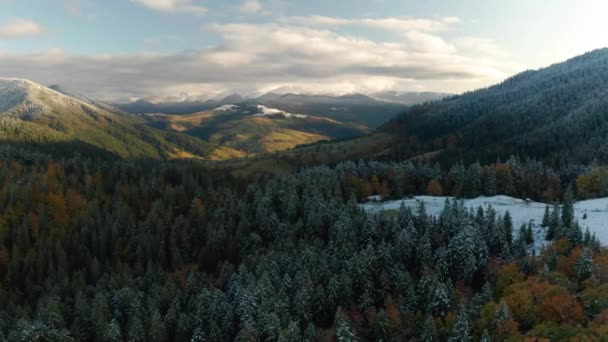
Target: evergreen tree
{"x": 382, "y": 325}
{"x": 198, "y": 335}
{"x": 508, "y": 228}
{"x": 429, "y": 333}
{"x": 546, "y": 218}
{"x": 490, "y": 182}
{"x": 344, "y": 331}
{"x": 568, "y": 208}
{"x": 440, "y": 300}
{"x": 584, "y": 266}
{"x": 461, "y": 330}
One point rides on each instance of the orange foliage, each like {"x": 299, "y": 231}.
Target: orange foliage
{"x": 562, "y": 309}
{"x": 434, "y": 188}
{"x": 592, "y": 184}
{"x": 532, "y": 301}
{"x": 565, "y": 264}
{"x": 506, "y": 276}
{"x": 601, "y": 267}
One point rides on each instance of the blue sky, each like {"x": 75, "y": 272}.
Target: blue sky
{"x": 119, "y": 50}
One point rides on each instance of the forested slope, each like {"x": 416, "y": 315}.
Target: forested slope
{"x": 172, "y": 251}
{"x": 559, "y": 114}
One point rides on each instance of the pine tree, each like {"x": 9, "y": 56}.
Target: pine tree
{"x": 554, "y": 231}
{"x": 490, "y": 182}
{"x": 310, "y": 333}
{"x": 485, "y": 337}
{"x": 440, "y": 300}
{"x": 568, "y": 208}
{"x": 382, "y": 325}
{"x": 546, "y": 218}
{"x": 429, "y": 334}
{"x": 508, "y": 228}
{"x": 198, "y": 335}
{"x": 344, "y": 331}
{"x": 461, "y": 330}
{"x": 584, "y": 266}
{"x": 502, "y": 314}
{"x": 113, "y": 333}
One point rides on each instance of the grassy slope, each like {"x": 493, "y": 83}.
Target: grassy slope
{"x": 244, "y": 134}
{"x": 46, "y": 116}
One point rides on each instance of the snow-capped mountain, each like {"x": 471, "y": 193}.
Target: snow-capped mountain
{"x": 30, "y": 112}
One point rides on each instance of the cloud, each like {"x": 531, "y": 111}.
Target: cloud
{"x": 394, "y": 24}
{"x": 20, "y": 28}
{"x": 251, "y": 6}
{"x": 173, "y": 6}
{"x": 266, "y": 56}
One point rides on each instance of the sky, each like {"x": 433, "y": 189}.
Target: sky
{"x": 123, "y": 50}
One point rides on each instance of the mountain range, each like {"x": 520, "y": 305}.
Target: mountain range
{"x": 227, "y": 128}
{"x": 371, "y": 111}
{"x": 557, "y": 114}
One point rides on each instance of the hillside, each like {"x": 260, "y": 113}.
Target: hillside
{"x": 357, "y": 108}
{"x": 353, "y": 109}
{"x": 557, "y": 114}
{"x": 255, "y": 129}
{"x": 31, "y": 113}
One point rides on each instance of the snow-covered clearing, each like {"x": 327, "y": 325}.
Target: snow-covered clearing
{"x": 591, "y": 214}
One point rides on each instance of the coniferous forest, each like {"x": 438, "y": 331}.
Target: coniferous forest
{"x": 113, "y": 230}
{"x": 114, "y": 250}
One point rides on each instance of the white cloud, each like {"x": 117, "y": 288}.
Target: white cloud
{"x": 19, "y": 28}
{"x": 266, "y": 56}
{"x": 394, "y": 24}
{"x": 251, "y": 6}
{"x": 173, "y": 6}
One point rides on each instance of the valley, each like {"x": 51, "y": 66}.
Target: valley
{"x": 292, "y": 171}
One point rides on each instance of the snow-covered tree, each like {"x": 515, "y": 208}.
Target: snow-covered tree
{"x": 461, "y": 330}
{"x": 429, "y": 333}
{"x": 584, "y": 266}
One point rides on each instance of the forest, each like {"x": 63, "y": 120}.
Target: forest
{"x": 125, "y": 250}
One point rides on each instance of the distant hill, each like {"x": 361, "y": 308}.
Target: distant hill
{"x": 255, "y": 128}
{"x": 355, "y": 108}
{"x": 409, "y": 98}
{"x": 371, "y": 111}
{"x": 34, "y": 114}
{"x": 144, "y": 106}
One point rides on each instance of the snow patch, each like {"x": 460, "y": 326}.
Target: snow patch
{"x": 590, "y": 214}
{"x": 267, "y": 111}
{"x": 225, "y": 108}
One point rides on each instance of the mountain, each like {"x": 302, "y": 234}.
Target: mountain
{"x": 32, "y": 113}
{"x": 353, "y": 109}
{"x": 254, "y": 128}
{"x": 144, "y": 106}
{"x": 557, "y": 114}
{"x": 356, "y": 108}
{"x": 409, "y": 98}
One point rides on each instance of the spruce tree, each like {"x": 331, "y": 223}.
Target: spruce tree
{"x": 584, "y": 266}
{"x": 461, "y": 330}
{"x": 344, "y": 331}
{"x": 546, "y": 218}
{"x": 429, "y": 333}
{"x": 568, "y": 208}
